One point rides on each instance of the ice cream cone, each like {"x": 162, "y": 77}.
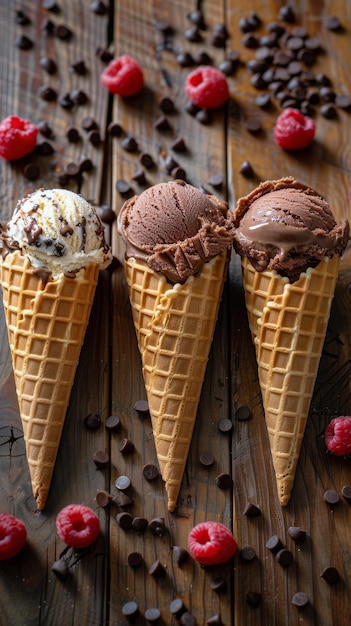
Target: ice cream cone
{"x": 174, "y": 326}
{"x": 46, "y": 327}
{"x": 288, "y": 322}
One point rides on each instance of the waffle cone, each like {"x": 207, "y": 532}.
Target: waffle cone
{"x": 288, "y": 323}
{"x": 46, "y": 327}
{"x": 174, "y": 326}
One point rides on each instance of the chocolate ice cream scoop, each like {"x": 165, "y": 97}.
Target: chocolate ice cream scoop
{"x": 175, "y": 228}
{"x": 286, "y": 226}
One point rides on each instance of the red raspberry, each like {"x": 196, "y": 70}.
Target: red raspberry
{"x": 18, "y": 138}
{"x": 207, "y": 87}
{"x": 211, "y": 543}
{"x": 13, "y": 536}
{"x": 123, "y": 76}
{"x": 77, "y": 525}
{"x": 337, "y": 435}
{"x": 294, "y": 131}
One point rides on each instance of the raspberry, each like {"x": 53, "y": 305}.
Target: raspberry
{"x": 211, "y": 543}
{"x": 77, "y": 525}
{"x": 294, "y": 131}
{"x": 337, "y": 435}
{"x": 123, "y": 76}
{"x": 18, "y": 138}
{"x": 13, "y": 536}
{"x": 207, "y": 87}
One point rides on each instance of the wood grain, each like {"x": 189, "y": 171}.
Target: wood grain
{"x": 109, "y": 378}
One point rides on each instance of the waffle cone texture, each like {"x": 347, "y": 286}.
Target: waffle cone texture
{"x": 174, "y": 326}
{"x": 288, "y": 324}
{"x": 46, "y": 328}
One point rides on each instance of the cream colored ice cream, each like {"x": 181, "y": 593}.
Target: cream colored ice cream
{"x": 58, "y": 230}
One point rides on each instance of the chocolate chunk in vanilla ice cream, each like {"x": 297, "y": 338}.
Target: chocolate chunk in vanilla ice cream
{"x": 286, "y": 226}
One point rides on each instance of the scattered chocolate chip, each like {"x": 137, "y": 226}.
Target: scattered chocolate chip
{"x": 188, "y": 619}
{"x": 129, "y": 144}
{"x": 300, "y": 599}
{"x": 253, "y": 599}
{"x": 247, "y": 553}
{"x": 219, "y": 584}
{"x": 203, "y": 58}
{"x": 264, "y": 100}
{"x": 51, "y": 5}
{"x": 152, "y": 615}
{"x": 134, "y": 559}
{"x": 22, "y": 18}
{"x": 214, "y": 620}
{"x": 92, "y": 421}
{"x": 142, "y": 407}
{"x": 179, "y": 145}
{"x": 78, "y": 67}
{"x": 121, "y": 499}
{"x": 333, "y": 23}
{"x": 157, "y": 570}
{"x": 101, "y": 459}
{"x": 206, "y": 459}
{"x": 224, "y": 481}
{"x": 177, "y": 608}
{"x": 73, "y": 134}
{"x": 78, "y": 96}
{"x": 60, "y": 569}
{"x": 63, "y": 32}
{"x": 253, "y": 126}
{"x": 150, "y": 471}
{"x": 330, "y": 575}
{"x": 193, "y": 34}
{"x": 123, "y": 187}
{"x": 88, "y": 123}
{"x": 274, "y": 544}
{"x": 66, "y": 101}
{"x": 126, "y": 446}
{"x": 130, "y": 610}
{"x": 44, "y": 148}
{"x": 178, "y": 173}
{"x": 49, "y": 65}
{"x": 296, "y": 533}
{"x": 115, "y": 129}
{"x": 185, "y": 59}
{"x": 123, "y": 483}
{"x": 251, "y": 510}
{"x": 225, "y": 425}
{"x": 98, "y": 7}
{"x": 162, "y": 124}
{"x": 204, "y": 116}
{"x": 147, "y": 160}
{"x": 94, "y": 137}
{"x": 104, "y": 55}
{"x": 287, "y": 14}
{"x": 47, "y": 93}
{"x": 346, "y": 492}
{"x": 243, "y": 413}
{"x": 284, "y": 557}
{"x": 331, "y": 497}
{"x": 23, "y": 42}
{"x": 157, "y": 526}
{"x": 163, "y": 26}
{"x": 45, "y": 129}
{"x": 139, "y": 177}
{"x": 103, "y": 498}
{"x": 31, "y": 171}
{"x": 124, "y": 520}
{"x": 140, "y": 524}
{"x": 191, "y": 108}
{"x": 85, "y": 165}
{"x": 216, "y": 180}
{"x": 180, "y": 555}
{"x": 197, "y": 17}
{"x": 246, "y": 169}
{"x": 73, "y": 169}
{"x": 166, "y": 105}
{"x": 343, "y": 102}
{"x": 48, "y": 26}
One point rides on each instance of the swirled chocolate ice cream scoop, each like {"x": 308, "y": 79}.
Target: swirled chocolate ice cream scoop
{"x": 286, "y": 226}
{"x": 175, "y": 229}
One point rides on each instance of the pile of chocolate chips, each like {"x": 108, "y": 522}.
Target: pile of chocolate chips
{"x": 281, "y": 68}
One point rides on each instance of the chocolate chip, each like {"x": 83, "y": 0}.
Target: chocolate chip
{"x": 113, "y": 422}
{"x": 227, "y": 67}
{"x": 60, "y": 569}
{"x": 219, "y": 584}
{"x": 123, "y": 483}
{"x": 296, "y": 533}
{"x": 284, "y": 557}
{"x": 129, "y": 144}
{"x": 274, "y": 544}
{"x": 134, "y": 559}
{"x": 251, "y": 510}
{"x": 115, "y": 129}
{"x": 47, "y": 93}
{"x": 92, "y": 421}
{"x": 78, "y": 67}
{"x": 139, "y": 177}
{"x": 108, "y": 216}
{"x": 204, "y": 116}
{"x": 180, "y": 555}
{"x": 185, "y": 59}
{"x": 22, "y": 18}
{"x": 147, "y": 160}
{"x": 166, "y": 105}
{"x": 141, "y": 407}
{"x": 287, "y": 14}
{"x": 197, "y": 17}
{"x": 45, "y": 129}
{"x": 101, "y": 459}
{"x": 162, "y": 124}
{"x": 224, "y": 481}
{"x": 66, "y": 101}
{"x": 258, "y": 81}
{"x": 139, "y": 524}
{"x": 88, "y": 123}
{"x": 243, "y": 413}
{"x": 253, "y": 599}
{"x": 150, "y": 471}
{"x": 225, "y": 425}
{"x": 49, "y": 65}
{"x": 72, "y": 169}
{"x": 104, "y": 55}
{"x": 123, "y": 187}
{"x": 188, "y": 619}
{"x": 157, "y": 570}
{"x": 23, "y": 42}
{"x": 216, "y": 180}
{"x": 206, "y": 459}
{"x": 191, "y": 108}
{"x": 51, "y": 5}
{"x": 177, "y": 607}
{"x": 179, "y": 145}
{"x": 300, "y": 599}
{"x": 31, "y": 171}
{"x": 346, "y": 492}
{"x": 164, "y": 27}
{"x": 330, "y": 575}
{"x": 121, "y": 499}
{"x": 103, "y": 498}
{"x": 130, "y": 610}
{"x": 72, "y": 134}
{"x": 99, "y": 8}
{"x": 157, "y": 526}
{"x": 343, "y": 102}
{"x": 247, "y": 553}
{"x": 178, "y": 173}
{"x": 126, "y": 446}
{"x": 264, "y": 100}
{"x": 94, "y": 137}
{"x": 214, "y": 620}
{"x": 193, "y": 34}
{"x": 78, "y": 96}
{"x": 331, "y": 497}
{"x": 63, "y": 32}
{"x": 333, "y": 23}
{"x": 246, "y": 169}
{"x": 124, "y": 520}
{"x": 152, "y": 615}
{"x": 203, "y": 58}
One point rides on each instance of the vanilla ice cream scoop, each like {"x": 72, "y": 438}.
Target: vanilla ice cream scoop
{"x": 57, "y": 230}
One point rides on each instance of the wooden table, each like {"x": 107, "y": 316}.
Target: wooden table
{"x": 109, "y": 380}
